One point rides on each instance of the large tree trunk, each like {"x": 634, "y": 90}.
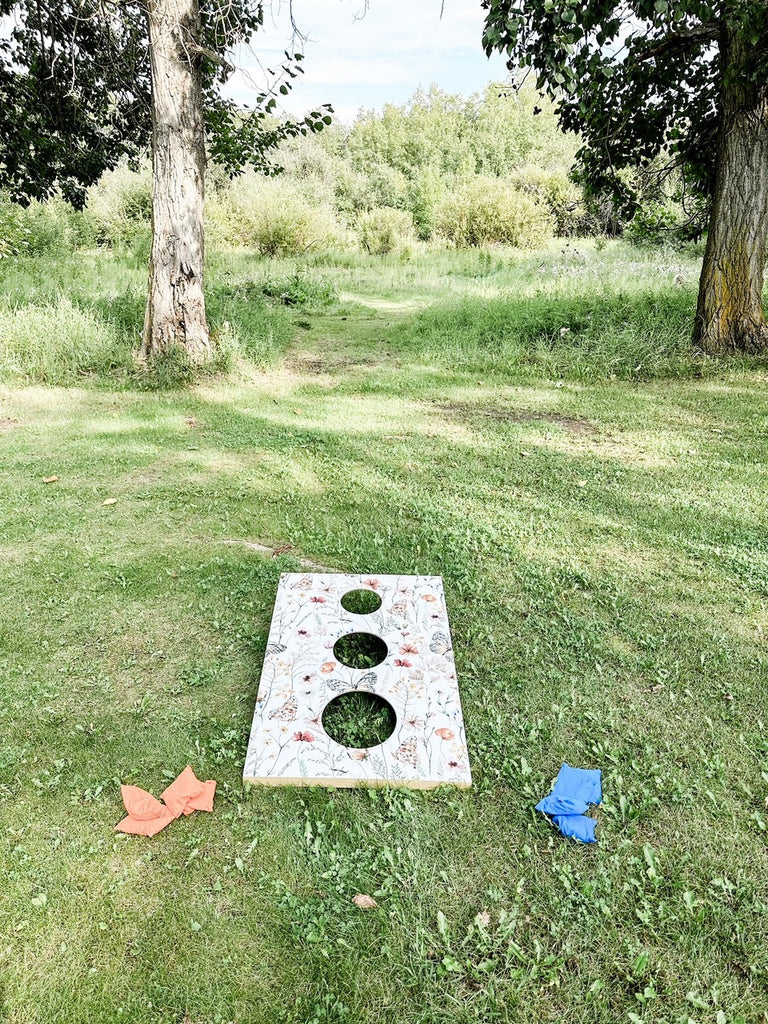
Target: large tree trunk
{"x": 729, "y": 317}
{"x": 175, "y": 314}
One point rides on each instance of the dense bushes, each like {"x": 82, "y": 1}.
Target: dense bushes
{"x": 14, "y": 235}
{"x": 440, "y": 168}
{"x": 40, "y": 228}
{"x": 119, "y": 207}
{"x": 271, "y": 216}
{"x": 384, "y": 230}
{"x": 555, "y": 191}
{"x": 488, "y": 210}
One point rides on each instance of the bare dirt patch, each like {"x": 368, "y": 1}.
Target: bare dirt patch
{"x": 279, "y": 549}
{"x": 501, "y": 415}
{"x": 8, "y": 423}
{"x": 311, "y": 365}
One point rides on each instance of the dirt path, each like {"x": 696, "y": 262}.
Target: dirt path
{"x": 359, "y": 341}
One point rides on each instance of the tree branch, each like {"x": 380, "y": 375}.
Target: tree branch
{"x": 707, "y": 32}
{"x": 211, "y": 55}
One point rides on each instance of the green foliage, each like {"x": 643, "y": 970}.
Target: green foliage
{"x": 636, "y": 80}
{"x": 330, "y": 180}
{"x": 271, "y": 216}
{"x": 118, "y": 208}
{"x": 385, "y": 230}
{"x": 311, "y": 164}
{"x": 513, "y": 126}
{"x": 555, "y": 190}
{"x": 653, "y": 223}
{"x": 14, "y": 233}
{"x": 40, "y": 228}
{"x": 52, "y": 227}
{"x": 62, "y": 130}
{"x": 487, "y": 210}
{"x": 489, "y": 134}
{"x": 425, "y": 194}
{"x": 58, "y": 344}
{"x": 665, "y": 214}
{"x": 424, "y": 131}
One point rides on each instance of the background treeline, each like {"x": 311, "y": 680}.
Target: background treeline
{"x": 444, "y": 169}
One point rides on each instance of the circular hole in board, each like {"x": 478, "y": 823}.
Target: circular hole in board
{"x": 359, "y": 720}
{"x": 361, "y": 602}
{"x": 360, "y": 650}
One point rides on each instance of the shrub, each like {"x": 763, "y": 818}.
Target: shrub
{"x": 557, "y": 192}
{"x": 118, "y": 211}
{"x": 384, "y": 230}
{"x": 487, "y": 210}
{"x": 660, "y": 222}
{"x": 271, "y": 216}
{"x": 14, "y": 233}
{"x": 42, "y": 228}
{"x": 425, "y": 194}
{"x": 311, "y": 168}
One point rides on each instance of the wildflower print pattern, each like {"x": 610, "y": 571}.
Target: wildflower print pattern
{"x": 300, "y": 676}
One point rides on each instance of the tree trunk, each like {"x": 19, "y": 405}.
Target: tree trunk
{"x": 175, "y": 314}
{"x": 730, "y": 317}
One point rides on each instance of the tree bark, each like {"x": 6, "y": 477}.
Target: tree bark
{"x": 730, "y": 316}
{"x": 175, "y": 313}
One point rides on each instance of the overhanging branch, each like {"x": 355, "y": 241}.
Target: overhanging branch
{"x": 211, "y": 55}
{"x": 707, "y": 32}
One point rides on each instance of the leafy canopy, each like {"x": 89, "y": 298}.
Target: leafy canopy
{"x": 636, "y": 78}
{"x": 75, "y": 92}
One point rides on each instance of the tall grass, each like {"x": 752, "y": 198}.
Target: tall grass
{"x": 580, "y": 311}
{"x": 638, "y": 337}
{"x": 58, "y": 343}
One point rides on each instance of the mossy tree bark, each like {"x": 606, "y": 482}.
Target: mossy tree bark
{"x": 175, "y": 313}
{"x": 730, "y": 316}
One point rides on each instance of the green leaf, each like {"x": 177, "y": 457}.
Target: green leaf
{"x": 696, "y": 1000}
{"x": 641, "y": 964}
{"x": 453, "y": 965}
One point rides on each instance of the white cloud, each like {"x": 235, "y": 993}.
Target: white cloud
{"x": 381, "y": 56}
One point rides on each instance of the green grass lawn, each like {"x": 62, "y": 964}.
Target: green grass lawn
{"x": 531, "y": 428}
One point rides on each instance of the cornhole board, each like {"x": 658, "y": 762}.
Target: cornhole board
{"x": 301, "y": 675}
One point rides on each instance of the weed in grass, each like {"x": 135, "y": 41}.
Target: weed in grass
{"x": 361, "y": 602}
{"x": 328, "y": 1009}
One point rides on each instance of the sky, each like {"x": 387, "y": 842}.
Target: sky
{"x": 363, "y": 59}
